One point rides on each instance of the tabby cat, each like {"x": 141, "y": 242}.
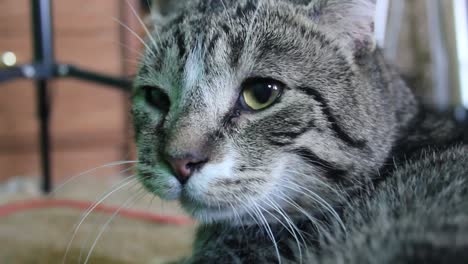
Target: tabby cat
{"x": 281, "y": 128}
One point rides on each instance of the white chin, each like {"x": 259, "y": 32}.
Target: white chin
{"x": 209, "y": 215}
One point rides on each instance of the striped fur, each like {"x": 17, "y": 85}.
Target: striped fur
{"x": 322, "y": 174}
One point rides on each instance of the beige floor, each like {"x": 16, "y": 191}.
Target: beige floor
{"x": 41, "y": 236}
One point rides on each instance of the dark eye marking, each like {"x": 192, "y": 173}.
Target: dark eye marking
{"x": 334, "y": 122}
{"x": 260, "y": 93}
{"x": 331, "y": 171}
{"x": 156, "y": 98}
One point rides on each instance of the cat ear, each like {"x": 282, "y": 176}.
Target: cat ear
{"x": 352, "y": 21}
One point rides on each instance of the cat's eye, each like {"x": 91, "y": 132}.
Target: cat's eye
{"x": 260, "y": 93}
{"x": 155, "y": 97}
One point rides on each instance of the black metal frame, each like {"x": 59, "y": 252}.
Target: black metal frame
{"x": 44, "y": 69}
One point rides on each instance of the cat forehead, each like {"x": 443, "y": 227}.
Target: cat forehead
{"x": 218, "y": 41}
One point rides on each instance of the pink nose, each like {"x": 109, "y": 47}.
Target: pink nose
{"x": 184, "y": 168}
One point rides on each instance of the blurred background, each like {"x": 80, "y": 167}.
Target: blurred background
{"x": 90, "y": 124}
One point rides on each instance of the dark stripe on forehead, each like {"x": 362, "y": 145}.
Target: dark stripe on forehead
{"x": 212, "y": 43}
{"x": 179, "y": 37}
{"x": 226, "y": 29}
{"x": 237, "y": 44}
{"x": 332, "y": 171}
{"x": 337, "y": 129}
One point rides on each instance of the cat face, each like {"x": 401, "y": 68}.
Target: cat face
{"x": 260, "y": 106}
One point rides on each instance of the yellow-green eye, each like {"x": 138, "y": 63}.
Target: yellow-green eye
{"x": 259, "y": 93}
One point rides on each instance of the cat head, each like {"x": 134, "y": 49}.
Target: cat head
{"x": 241, "y": 106}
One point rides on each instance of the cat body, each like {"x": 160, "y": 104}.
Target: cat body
{"x": 280, "y": 127}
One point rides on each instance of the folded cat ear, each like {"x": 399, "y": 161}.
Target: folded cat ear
{"x": 352, "y": 21}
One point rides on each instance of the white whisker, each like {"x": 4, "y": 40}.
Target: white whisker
{"x": 136, "y": 35}
{"x": 148, "y": 33}
{"x": 132, "y": 199}
{"x": 123, "y": 183}
{"x": 292, "y": 228}
{"x": 112, "y": 164}
{"x": 128, "y": 48}
{"x": 268, "y": 230}
{"x": 318, "y": 199}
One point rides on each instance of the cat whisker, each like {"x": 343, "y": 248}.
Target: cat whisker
{"x": 128, "y": 48}
{"x": 254, "y": 18}
{"x": 293, "y": 229}
{"x": 148, "y": 33}
{"x": 136, "y": 36}
{"x": 247, "y": 209}
{"x": 267, "y": 227}
{"x": 88, "y": 239}
{"x": 336, "y": 189}
{"x": 317, "y": 198}
{"x": 236, "y": 214}
{"x": 288, "y": 200}
{"x": 109, "y": 165}
{"x": 121, "y": 185}
{"x": 312, "y": 219}
{"x": 226, "y": 10}
{"x": 131, "y": 61}
{"x": 321, "y": 230}
{"x": 133, "y": 199}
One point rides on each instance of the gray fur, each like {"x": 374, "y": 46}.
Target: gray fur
{"x": 344, "y": 168}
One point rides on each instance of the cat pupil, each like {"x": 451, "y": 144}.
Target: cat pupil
{"x": 262, "y": 92}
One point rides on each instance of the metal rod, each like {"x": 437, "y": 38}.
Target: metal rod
{"x": 65, "y": 70}
{"x": 9, "y": 74}
{"x": 43, "y": 55}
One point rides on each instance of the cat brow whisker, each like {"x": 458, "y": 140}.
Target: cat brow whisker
{"x": 132, "y": 61}
{"x": 128, "y": 48}
{"x": 148, "y": 33}
{"x": 136, "y": 35}
{"x": 254, "y": 17}
{"x": 226, "y": 10}
{"x": 122, "y": 184}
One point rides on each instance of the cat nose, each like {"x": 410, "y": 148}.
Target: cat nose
{"x": 184, "y": 167}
